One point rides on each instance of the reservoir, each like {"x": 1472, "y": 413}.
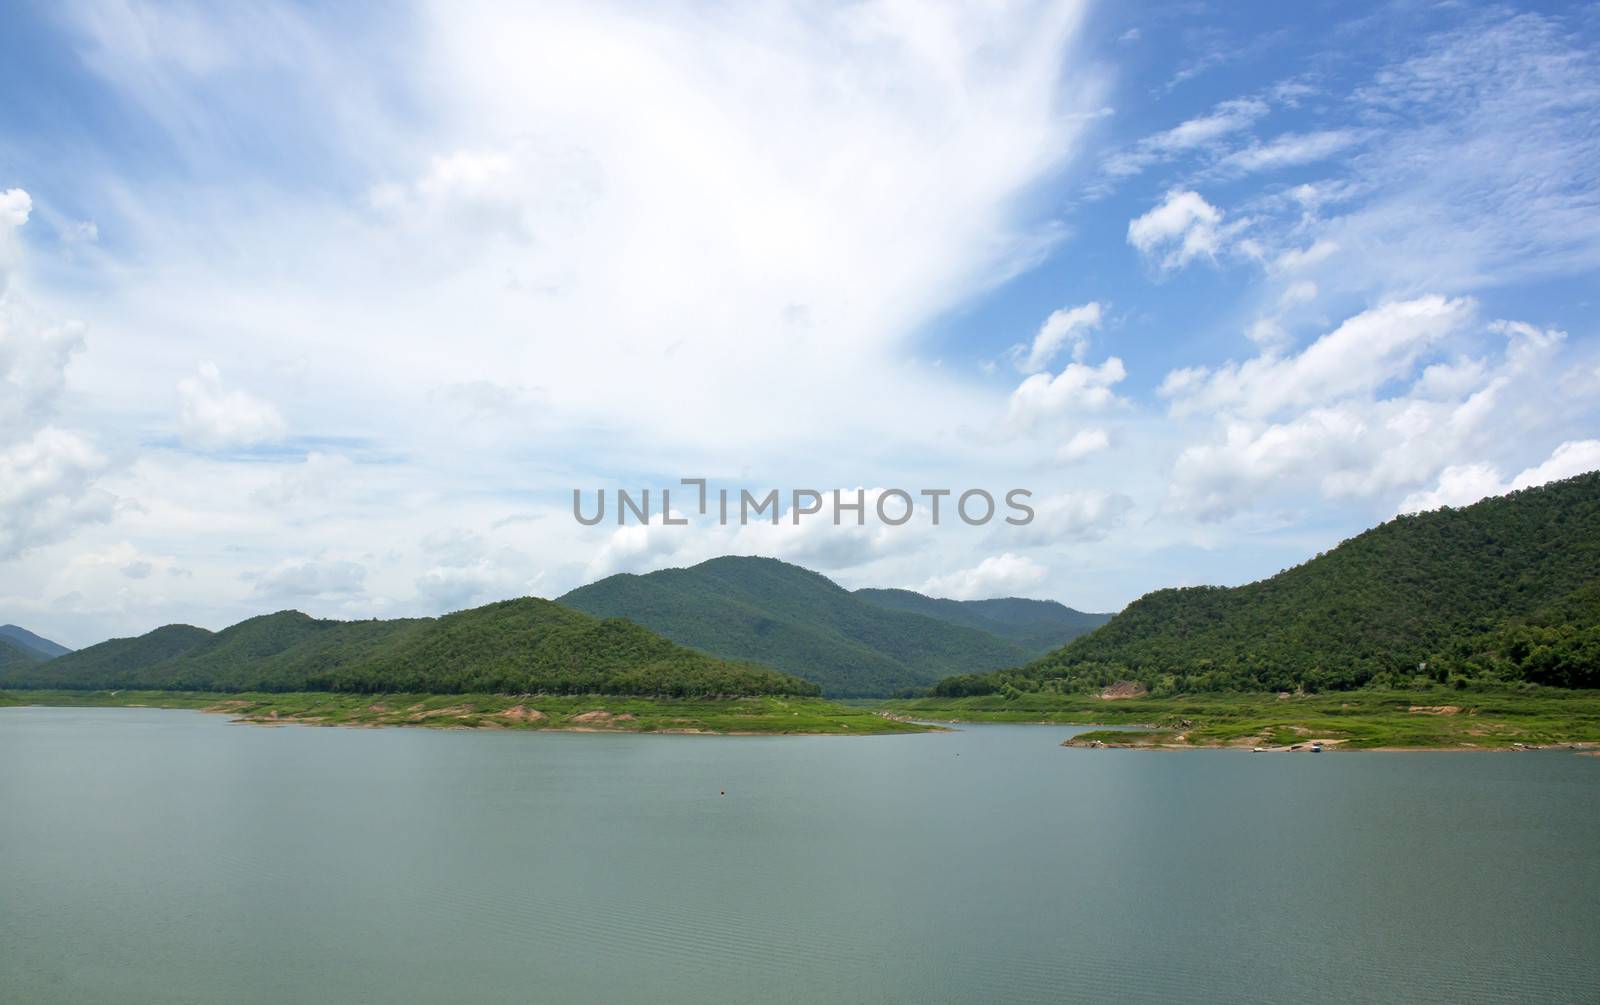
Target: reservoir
{"x": 172, "y": 856}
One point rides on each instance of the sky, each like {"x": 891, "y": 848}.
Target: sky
{"x": 333, "y": 308}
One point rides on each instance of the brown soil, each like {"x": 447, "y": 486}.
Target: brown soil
{"x": 599, "y": 717}
{"x": 521, "y": 713}
{"x": 1123, "y": 689}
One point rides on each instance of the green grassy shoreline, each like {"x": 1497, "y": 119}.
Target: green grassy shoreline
{"x": 1440, "y": 719}
{"x": 769, "y": 715}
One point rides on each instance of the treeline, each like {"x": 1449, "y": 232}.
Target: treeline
{"x": 520, "y": 646}
{"x": 1505, "y": 590}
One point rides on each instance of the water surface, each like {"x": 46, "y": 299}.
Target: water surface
{"x": 171, "y": 856}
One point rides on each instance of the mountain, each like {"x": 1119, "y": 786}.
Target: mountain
{"x": 515, "y": 646}
{"x": 787, "y": 617}
{"x": 1038, "y": 626}
{"x": 14, "y": 656}
{"x": 25, "y": 639}
{"x": 1506, "y": 589}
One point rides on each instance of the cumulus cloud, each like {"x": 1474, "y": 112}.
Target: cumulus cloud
{"x": 47, "y": 474}
{"x": 213, "y": 417}
{"x": 1310, "y": 421}
{"x": 1063, "y": 326}
{"x": 1182, "y": 228}
{"x": 1079, "y": 387}
{"x": 1004, "y": 575}
{"x": 1465, "y": 484}
{"x": 1362, "y": 354}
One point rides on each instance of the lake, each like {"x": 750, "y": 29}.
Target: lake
{"x": 172, "y": 856}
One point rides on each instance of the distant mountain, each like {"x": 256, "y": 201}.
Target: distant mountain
{"x": 515, "y": 646}
{"x": 34, "y": 643}
{"x": 1038, "y": 626}
{"x": 787, "y": 617}
{"x": 1507, "y": 589}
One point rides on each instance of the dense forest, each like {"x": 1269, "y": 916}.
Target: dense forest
{"x": 1505, "y": 590}
{"x": 515, "y": 646}
{"x": 1038, "y": 626}
{"x": 791, "y": 618}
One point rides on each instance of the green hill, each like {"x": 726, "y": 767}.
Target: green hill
{"x": 14, "y": 656}
{"x": 787, "y": 617}
{"x": 1038, "y": 626}
{"x": 515, "y": 646}
{"x": 1503, "y": 590}
{"x": 24, "y": 639}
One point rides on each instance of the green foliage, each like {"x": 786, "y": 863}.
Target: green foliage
{"x": 1493, "y": 718}
{"x": 796, "y": 620}
{"x": 1503, "y": 590}
{"x": 24, "y": 639}
{"x": 766, "y": 714}
{"x": 14, "y": 657}
{"x": 516, "y": 647}
{"x": 1038, "y": 626}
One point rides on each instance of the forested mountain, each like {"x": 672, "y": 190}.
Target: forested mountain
{"x": 1505, "y": 589}
{"x": 515, "y": 646}
{"x": 787, "y": 617}
{"x": 24, "y": 639}
{"x": 13, "y": 655}
{"x": 1038, "y": 626}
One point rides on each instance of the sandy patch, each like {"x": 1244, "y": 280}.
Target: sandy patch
{"x": 1434, "y": 709}
{"x": 521, "y": 713}
{"x": 598, "y": 717}
{"x": 1122, "y": 689}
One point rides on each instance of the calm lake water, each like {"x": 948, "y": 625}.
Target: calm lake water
{"x": 170, "y": 856}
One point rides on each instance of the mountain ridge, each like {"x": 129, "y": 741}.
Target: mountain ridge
{"x": 524, "y": 645}
{"x": 797, "y": 620}
{"x": 1502, "y": 590}
{"x": 25, "y": 639}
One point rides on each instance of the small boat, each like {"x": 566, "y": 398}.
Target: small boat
{"x": 1316, "y": 748}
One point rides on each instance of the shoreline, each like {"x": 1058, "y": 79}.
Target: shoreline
{"x": 747, "y": 716}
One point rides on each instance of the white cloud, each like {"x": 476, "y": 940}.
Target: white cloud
{"x": 1079, "y": 387}
{"x": 212, "y": 417}
{"x": 297, "y": 581}
{"x": 1003, "y": 575}
{"x": 1083, "y": 443}
{"x": 15, "y": 205}
{"x": 315, "y": 479}
{"x": 1225, "y": 119}
{"x": 47, "y": 474}
{"x": 1087, "y": 515}
{"x": 1362, "y": 354}
{"x": 1184, "y": 226}
{"x": 1465, "y": 484}
{"x": 1291, "y": 150}
{"x": 1063, "y": 326}
{"x": 1317, "y": 424}
{"x": 1571, "y": 458}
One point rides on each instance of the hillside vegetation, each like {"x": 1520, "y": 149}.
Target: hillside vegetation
{"x": 1504, "y": 590}
{"x": 1038, "y": 626}
{"x": 26, "y": 640}
{"x": 514, "y": 647}
{"x": 787, "y": 617}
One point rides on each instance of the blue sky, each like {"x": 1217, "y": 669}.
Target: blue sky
{"x": 332, "y": 308}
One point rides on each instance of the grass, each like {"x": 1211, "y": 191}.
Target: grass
{"x": 1442, "y": 718}
{"x": 768, "y": 715}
